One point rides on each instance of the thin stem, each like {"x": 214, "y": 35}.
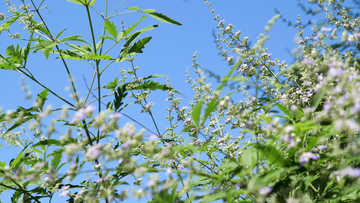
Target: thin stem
{"x": 57, "y": 47}
{"x": 122, "y": 13}
{"x": 117, "y": 9}
{"x": 89, "y": 88}
{"x": 20, "y": 187}
{"x": 32, "y": 78}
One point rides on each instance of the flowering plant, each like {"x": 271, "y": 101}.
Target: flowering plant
{"x": 293, "y": 138}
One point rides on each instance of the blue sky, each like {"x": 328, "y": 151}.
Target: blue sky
{"x": 169, "y": 52}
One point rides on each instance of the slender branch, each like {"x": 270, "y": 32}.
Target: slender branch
{"x": 20, "y": 187}
{"x": 61, "y": 56}
{"x": 32, "y": 78}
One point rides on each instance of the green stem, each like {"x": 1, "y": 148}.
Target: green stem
{"x": 57, "y": 47}
{"x": 32, "y": 78}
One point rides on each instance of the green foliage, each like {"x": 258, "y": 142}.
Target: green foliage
{"x": 293, "y": 137}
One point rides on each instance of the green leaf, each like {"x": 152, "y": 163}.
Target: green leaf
{"x": 18, "y": 123}
{"x": 133, "y": 8}
{"x": 80, "y": 2}
{"x": 111, "y": 29}
{"x": 56, "y": 160}
{"x": 249, "y": 157}
{"x": 131, "y": 28}
{"x": 124, "y": 51}
{"x": 153, "y": 76}
{"x": 210, "y": 108}
{"x": 150, "y": 27}
{"x": 298, "y": 115}
{"x": 68, "y": 54}
{"x": 285, "y": 110}
{"x": 235, "y": 78}
{"x": 138, "y": 46}
{"x": 161, "y": 17}
{"x": 97, "y": 57}
{"x": 272, "y": 155}
{"x": 58, "y": 35}
{"x": 112, "y": 85}
{"x": 154, "y": 86}
{"x": 196, "y": 111}
{"x": 107, "y": 37}
{"x": 45, "y": 46}
{"x": 92, "y": 3}
{"x": 317, "y": 98}
{"x": 41, "y": 98}
{"x": 48, "y": 142}
{"x": 73, "y": 38}
{"x": 120, "y": 95}
{"x": 10, "y": 21}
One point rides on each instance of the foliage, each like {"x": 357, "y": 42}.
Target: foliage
{"x": 294, "y": 138}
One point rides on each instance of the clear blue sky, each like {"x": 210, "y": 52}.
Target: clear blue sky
{"x": 169, "y": 52}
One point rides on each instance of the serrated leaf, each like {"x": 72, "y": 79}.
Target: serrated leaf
{"x": 120, "y": 95}
{"x": 162, "y": 18}
{"x": 154, "y": 86}
{"x": 138, "y": 46}
{"x": 111, "y": 29}
{"x": 112, "y": 85}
